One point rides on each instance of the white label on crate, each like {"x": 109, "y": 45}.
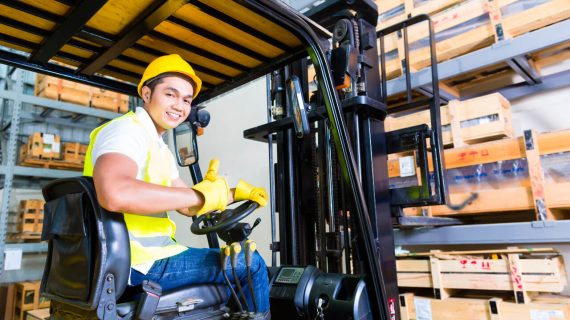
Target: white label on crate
{"x": 48, "y": 138}
{"x": 13, "y": 259}
{"x": 423, "y": 308}
{"x": 55, "y": 147}
{"x": 407, "y": 166}
{"x": 546, "y": 314}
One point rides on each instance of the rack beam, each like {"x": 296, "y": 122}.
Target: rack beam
{"x": 500, "y": 52}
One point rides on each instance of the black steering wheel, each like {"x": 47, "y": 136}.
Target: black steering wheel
{"x": 223, "y": 220}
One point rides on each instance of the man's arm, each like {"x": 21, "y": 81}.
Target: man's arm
{"x": 118, "y": 190}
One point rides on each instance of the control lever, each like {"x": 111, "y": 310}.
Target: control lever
{"x": 250, "y": 247}
{"x": 224, "y": 256}
{"x": 235, "y": 250}
{"x": 255, "y": 223}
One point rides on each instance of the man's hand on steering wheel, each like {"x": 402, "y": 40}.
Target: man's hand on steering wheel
{"x": 217, "y": 195}
{"x": 245, "y": 191}
{"x": 214, "y": 189}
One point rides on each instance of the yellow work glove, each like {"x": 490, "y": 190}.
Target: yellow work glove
{"x": 214, "y": 189}
{"x": 245, "y": 191}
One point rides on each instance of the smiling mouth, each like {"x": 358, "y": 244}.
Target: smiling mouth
{"x": 173, "y": 116}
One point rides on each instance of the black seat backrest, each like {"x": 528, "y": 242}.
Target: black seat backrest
{"x": 86, "y": 244}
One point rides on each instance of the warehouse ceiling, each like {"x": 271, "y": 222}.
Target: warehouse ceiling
{"x": 225, "y": 41}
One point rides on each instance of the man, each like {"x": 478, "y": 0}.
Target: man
{"x": 135, "y": 173}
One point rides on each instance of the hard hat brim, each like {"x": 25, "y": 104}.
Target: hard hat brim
{"x": 197, "y": 82}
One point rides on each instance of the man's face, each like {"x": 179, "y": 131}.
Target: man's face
{"x": 169, "y": 103}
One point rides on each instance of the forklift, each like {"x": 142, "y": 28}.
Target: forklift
{"x": 330, "y": 183}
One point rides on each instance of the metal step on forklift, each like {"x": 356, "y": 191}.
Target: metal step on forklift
{"x": 330, "y": 184}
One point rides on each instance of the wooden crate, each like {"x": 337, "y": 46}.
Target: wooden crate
{"x": 542, "y": 307}
{"x": 39, "y": 314}
{"x": 548, "y": 199}
{"x": 62, "y": 90}
{"x": 465, "y": 122}
{"x": 108, "y": 100}
{"x": 42, "y": 146}
{"x": 447, "y": 14}
{"x": 31, "y": 216}
{"x": 77, "y": 93}
{"x": 521, "y": 271}
{"x": 74, "y": 152}
{"x": 27, "y": 297}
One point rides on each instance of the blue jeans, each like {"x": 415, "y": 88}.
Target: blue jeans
{"x": 202, "y": 265}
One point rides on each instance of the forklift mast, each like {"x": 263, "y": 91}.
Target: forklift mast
{"x": 321, "y": 222}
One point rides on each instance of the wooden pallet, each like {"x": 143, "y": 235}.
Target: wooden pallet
{"x": 521, "y": 271}
{"x": 24, "y": 237}
{"x": 546, "y": 307}
{"x": 548, "y": 199}
{"x": 447, "y": 14}
{"x": 31, "y": 216}
{"x": 50, "y": 164}
{"x": 465, "y": 122}
{"x": 77, "y": 93}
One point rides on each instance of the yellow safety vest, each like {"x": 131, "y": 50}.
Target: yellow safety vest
{"x": 151, "y": 236}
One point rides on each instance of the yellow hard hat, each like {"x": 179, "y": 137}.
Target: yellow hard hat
{"x": 169, "y": 63}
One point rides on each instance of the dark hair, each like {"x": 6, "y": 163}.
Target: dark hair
{"x": 153, "y": 82}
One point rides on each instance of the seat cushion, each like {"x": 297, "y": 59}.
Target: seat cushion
{"x": 204, "y": 295}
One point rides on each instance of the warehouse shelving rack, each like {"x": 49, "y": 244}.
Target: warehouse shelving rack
{"x": 32, "y": 268}
{"x": 505, "y": 50}
{"x": 534, "y": 232}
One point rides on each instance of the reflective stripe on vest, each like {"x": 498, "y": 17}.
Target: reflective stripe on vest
{"x": 151, "y": 236}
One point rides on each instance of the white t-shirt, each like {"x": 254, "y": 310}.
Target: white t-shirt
{"x": 130, "y": 139}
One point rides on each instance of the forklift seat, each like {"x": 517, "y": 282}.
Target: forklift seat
{"x": 88, "y": 263}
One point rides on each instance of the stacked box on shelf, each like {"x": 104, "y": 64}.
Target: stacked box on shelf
{"x": 109, "y": 100}
{"x": 462, "y": 26}
{"x": 42, "y": 146}
{"x": 74, "y": 152}
{"x": 62, "y": 90}
{"x": 526, "y": 174}
{"x": 31, "y": 216}
{"x": 465, "y": 122}
{"x": 518, "y": 270}
{"x": 27, "y": 297}
{"x": 77, "y": 93}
